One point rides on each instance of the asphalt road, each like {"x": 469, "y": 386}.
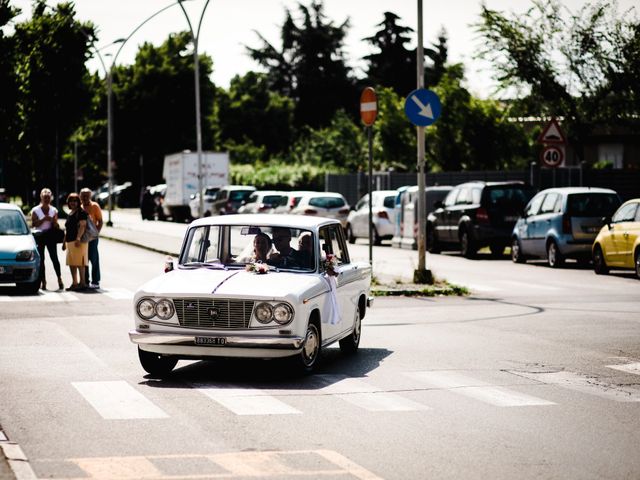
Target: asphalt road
{"x": 533, "y": 376}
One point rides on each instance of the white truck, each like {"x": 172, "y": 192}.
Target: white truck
{"x": 180, "y": 172}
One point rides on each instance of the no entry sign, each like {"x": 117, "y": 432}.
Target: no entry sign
{"x": 368, "y": 106}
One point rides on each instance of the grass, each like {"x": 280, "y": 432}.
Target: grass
{"x": 440, "y": 288}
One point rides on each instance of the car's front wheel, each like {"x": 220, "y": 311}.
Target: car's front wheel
{"x": 432, "y": 241}
{"x": 466, "y": 245}
{"x": 516, "y": 252}
{"x": 29, "y": 288}
{"x": 637, "y": 262}
{"x": 156, "y": 364}
{"x": 350, "y": 236}
{"x": 599, "y": 263}
{"x": 555, "y": 259}
{"x": 350, "y": 343}
{"x": 308, "y": 359}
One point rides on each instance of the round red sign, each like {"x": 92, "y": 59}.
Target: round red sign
{"x": 368, "y": 106}
{"x": 552, "y": 156}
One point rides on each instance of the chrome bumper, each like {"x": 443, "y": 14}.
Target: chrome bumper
{"x": 277, "y": 343}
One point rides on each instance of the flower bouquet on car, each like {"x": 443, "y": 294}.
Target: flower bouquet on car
{"x": 329, "y": 264}
{"x": 257, "y": 267}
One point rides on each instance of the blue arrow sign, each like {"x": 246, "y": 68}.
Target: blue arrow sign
{"x": 422, "y": 107}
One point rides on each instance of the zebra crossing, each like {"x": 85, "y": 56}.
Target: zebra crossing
{"x": 120, "y": 400}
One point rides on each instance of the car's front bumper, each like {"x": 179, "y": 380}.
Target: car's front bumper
{"x": 234, "y": 346}
{"x": 19, "y": 272}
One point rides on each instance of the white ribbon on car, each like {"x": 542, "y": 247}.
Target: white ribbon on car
{"x": 335, "y": 317}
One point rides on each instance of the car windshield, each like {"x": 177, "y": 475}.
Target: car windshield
{"x": 327, "y": 202}
{"x": 390, "y": 201}
{"x": 592, "y": 204}
{"x": 272, "y": 199}
{"x": 12, "y": 223}
{"x": 239, "y": 195}
{"x": 510, "y": 197}
{"x": 238, "y": 246}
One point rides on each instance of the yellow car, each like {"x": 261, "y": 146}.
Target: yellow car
{"x": 618, "y": 243}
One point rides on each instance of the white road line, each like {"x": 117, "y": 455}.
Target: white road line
{"x": 629, "y": 367}
{"x": 118, "y": 293}
{"x": 366, "y": 396}
{"x": 45, "y": 297}
{"x": 118, "y": 400}
{"x": 6, "y": 298}
{"x": 477, "y": 389}
{"x": 246, "y": 401}
{"x": 581, "y": 383}
{"x": 531, "y": 285}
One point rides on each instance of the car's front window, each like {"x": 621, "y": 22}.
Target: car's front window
{"x": 12, "y": 223}
{"x": 236, "y": 246}
{"x": 239, "y": 195}
{"x": 625, "y": 214}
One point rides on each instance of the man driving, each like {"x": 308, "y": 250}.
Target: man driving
{"x": 285, "y": 256}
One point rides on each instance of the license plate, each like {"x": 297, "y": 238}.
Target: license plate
{"x": 211, "y": 341}
{"x": 592, "y": 229}
{"x": 510, "y": 218}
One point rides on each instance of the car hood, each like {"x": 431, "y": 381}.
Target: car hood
{"x": 12, "y": 244}
{"x": 235, "y": 284}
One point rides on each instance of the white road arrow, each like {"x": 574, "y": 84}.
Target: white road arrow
{"x": 425, "y": 111}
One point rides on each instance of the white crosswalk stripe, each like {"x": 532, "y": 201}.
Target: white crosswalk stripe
{"x": 118, "y": 293}
{"x": 477, "y": 389}
{"x": 117, "y": 400}
{"x": 629, "y": 367}
{"x": 245, "y": 401}
{"x": 364, "y": 395}
{"x": 584, "y": 384}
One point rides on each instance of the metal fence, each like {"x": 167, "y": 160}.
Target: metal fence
{"x": 625, "y": 182}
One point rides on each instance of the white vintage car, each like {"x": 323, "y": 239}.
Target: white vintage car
{"x": 293, "y": 293}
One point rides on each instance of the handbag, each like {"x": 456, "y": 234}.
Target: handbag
{"x": 91, "y": 232}
{"x": 57, "y": 234}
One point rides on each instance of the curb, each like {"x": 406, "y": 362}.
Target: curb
{"x": 13, "y": 461}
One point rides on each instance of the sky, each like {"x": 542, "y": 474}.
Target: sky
{"x": 230, "y": 25}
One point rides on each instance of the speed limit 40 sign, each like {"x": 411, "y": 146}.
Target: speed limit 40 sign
{"x": 552, "y": 156}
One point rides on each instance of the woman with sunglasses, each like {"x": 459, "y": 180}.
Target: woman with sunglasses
{"x": 77, "y": 251}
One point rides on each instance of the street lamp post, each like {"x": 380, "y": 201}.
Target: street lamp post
{"x": 109, "y": 78}
{"x": 196, "y": 69}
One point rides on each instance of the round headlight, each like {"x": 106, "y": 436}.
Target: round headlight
{"x": 264, "y": 313}
{"x": 282, "y": 313}
{"x": 146, "y": 308}
{"x": 164, "y": 309}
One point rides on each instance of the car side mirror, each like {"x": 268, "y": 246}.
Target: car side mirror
{"x": 438, "y": 204}
{"x": 607, "y": 221}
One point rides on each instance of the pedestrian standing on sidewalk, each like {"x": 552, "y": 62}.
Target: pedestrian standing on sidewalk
{"x": 77, "y": 251}
{"x": 44, "y": 217}
{"x": 95, "y": 212}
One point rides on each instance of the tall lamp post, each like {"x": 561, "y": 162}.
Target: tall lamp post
{"x": 109, "y": 78}
{"x": 196, "y": 69}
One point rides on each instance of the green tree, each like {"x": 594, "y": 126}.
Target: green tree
{"x": 310, "y": 67}
{"x": 394, "y": 65}
{"x": 50, "y": 50}
{"x": 8, "y": 99}
{"x": 582, "y": 66}
{"x": 249, "y": 113}
{"x": 394, "y": 135}
{"x": 154, "y": 109}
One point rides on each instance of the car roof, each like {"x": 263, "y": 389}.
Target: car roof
{"x": 268, "y": 192}
{"x": 9, "y": 206}
{"x": 275, "y": 220}
{"x": 569, "y": 190}
{"x": 435, "y": 188}
{"x": 323, "y": 194}
{"x": 482, "y": 183}
{"x": 238, "y": 187}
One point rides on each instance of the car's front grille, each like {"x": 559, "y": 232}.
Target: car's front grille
{"x": 219, "y": 313}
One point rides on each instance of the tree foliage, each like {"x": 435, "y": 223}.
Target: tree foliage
{"x": 582, "y": 66}
{"x": 310, "y": 67}
{"x": 9, "y": 89}
{"x": 51, "y": 49}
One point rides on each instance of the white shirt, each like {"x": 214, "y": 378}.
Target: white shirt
{"x": 47, "y": 225}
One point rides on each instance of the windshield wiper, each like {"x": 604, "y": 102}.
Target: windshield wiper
{"x": 211, "y": 265}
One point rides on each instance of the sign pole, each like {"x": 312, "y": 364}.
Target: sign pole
{"x": 370, "y": 139}
{"x": 421, "y": 275}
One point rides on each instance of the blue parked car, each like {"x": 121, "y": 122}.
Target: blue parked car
{"x": 19, "y": 258}
{"x": 561, "y": 223}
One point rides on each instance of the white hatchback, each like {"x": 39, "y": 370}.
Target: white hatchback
{"x": 383, "y": 220}
{"x": 323, "y": 204}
